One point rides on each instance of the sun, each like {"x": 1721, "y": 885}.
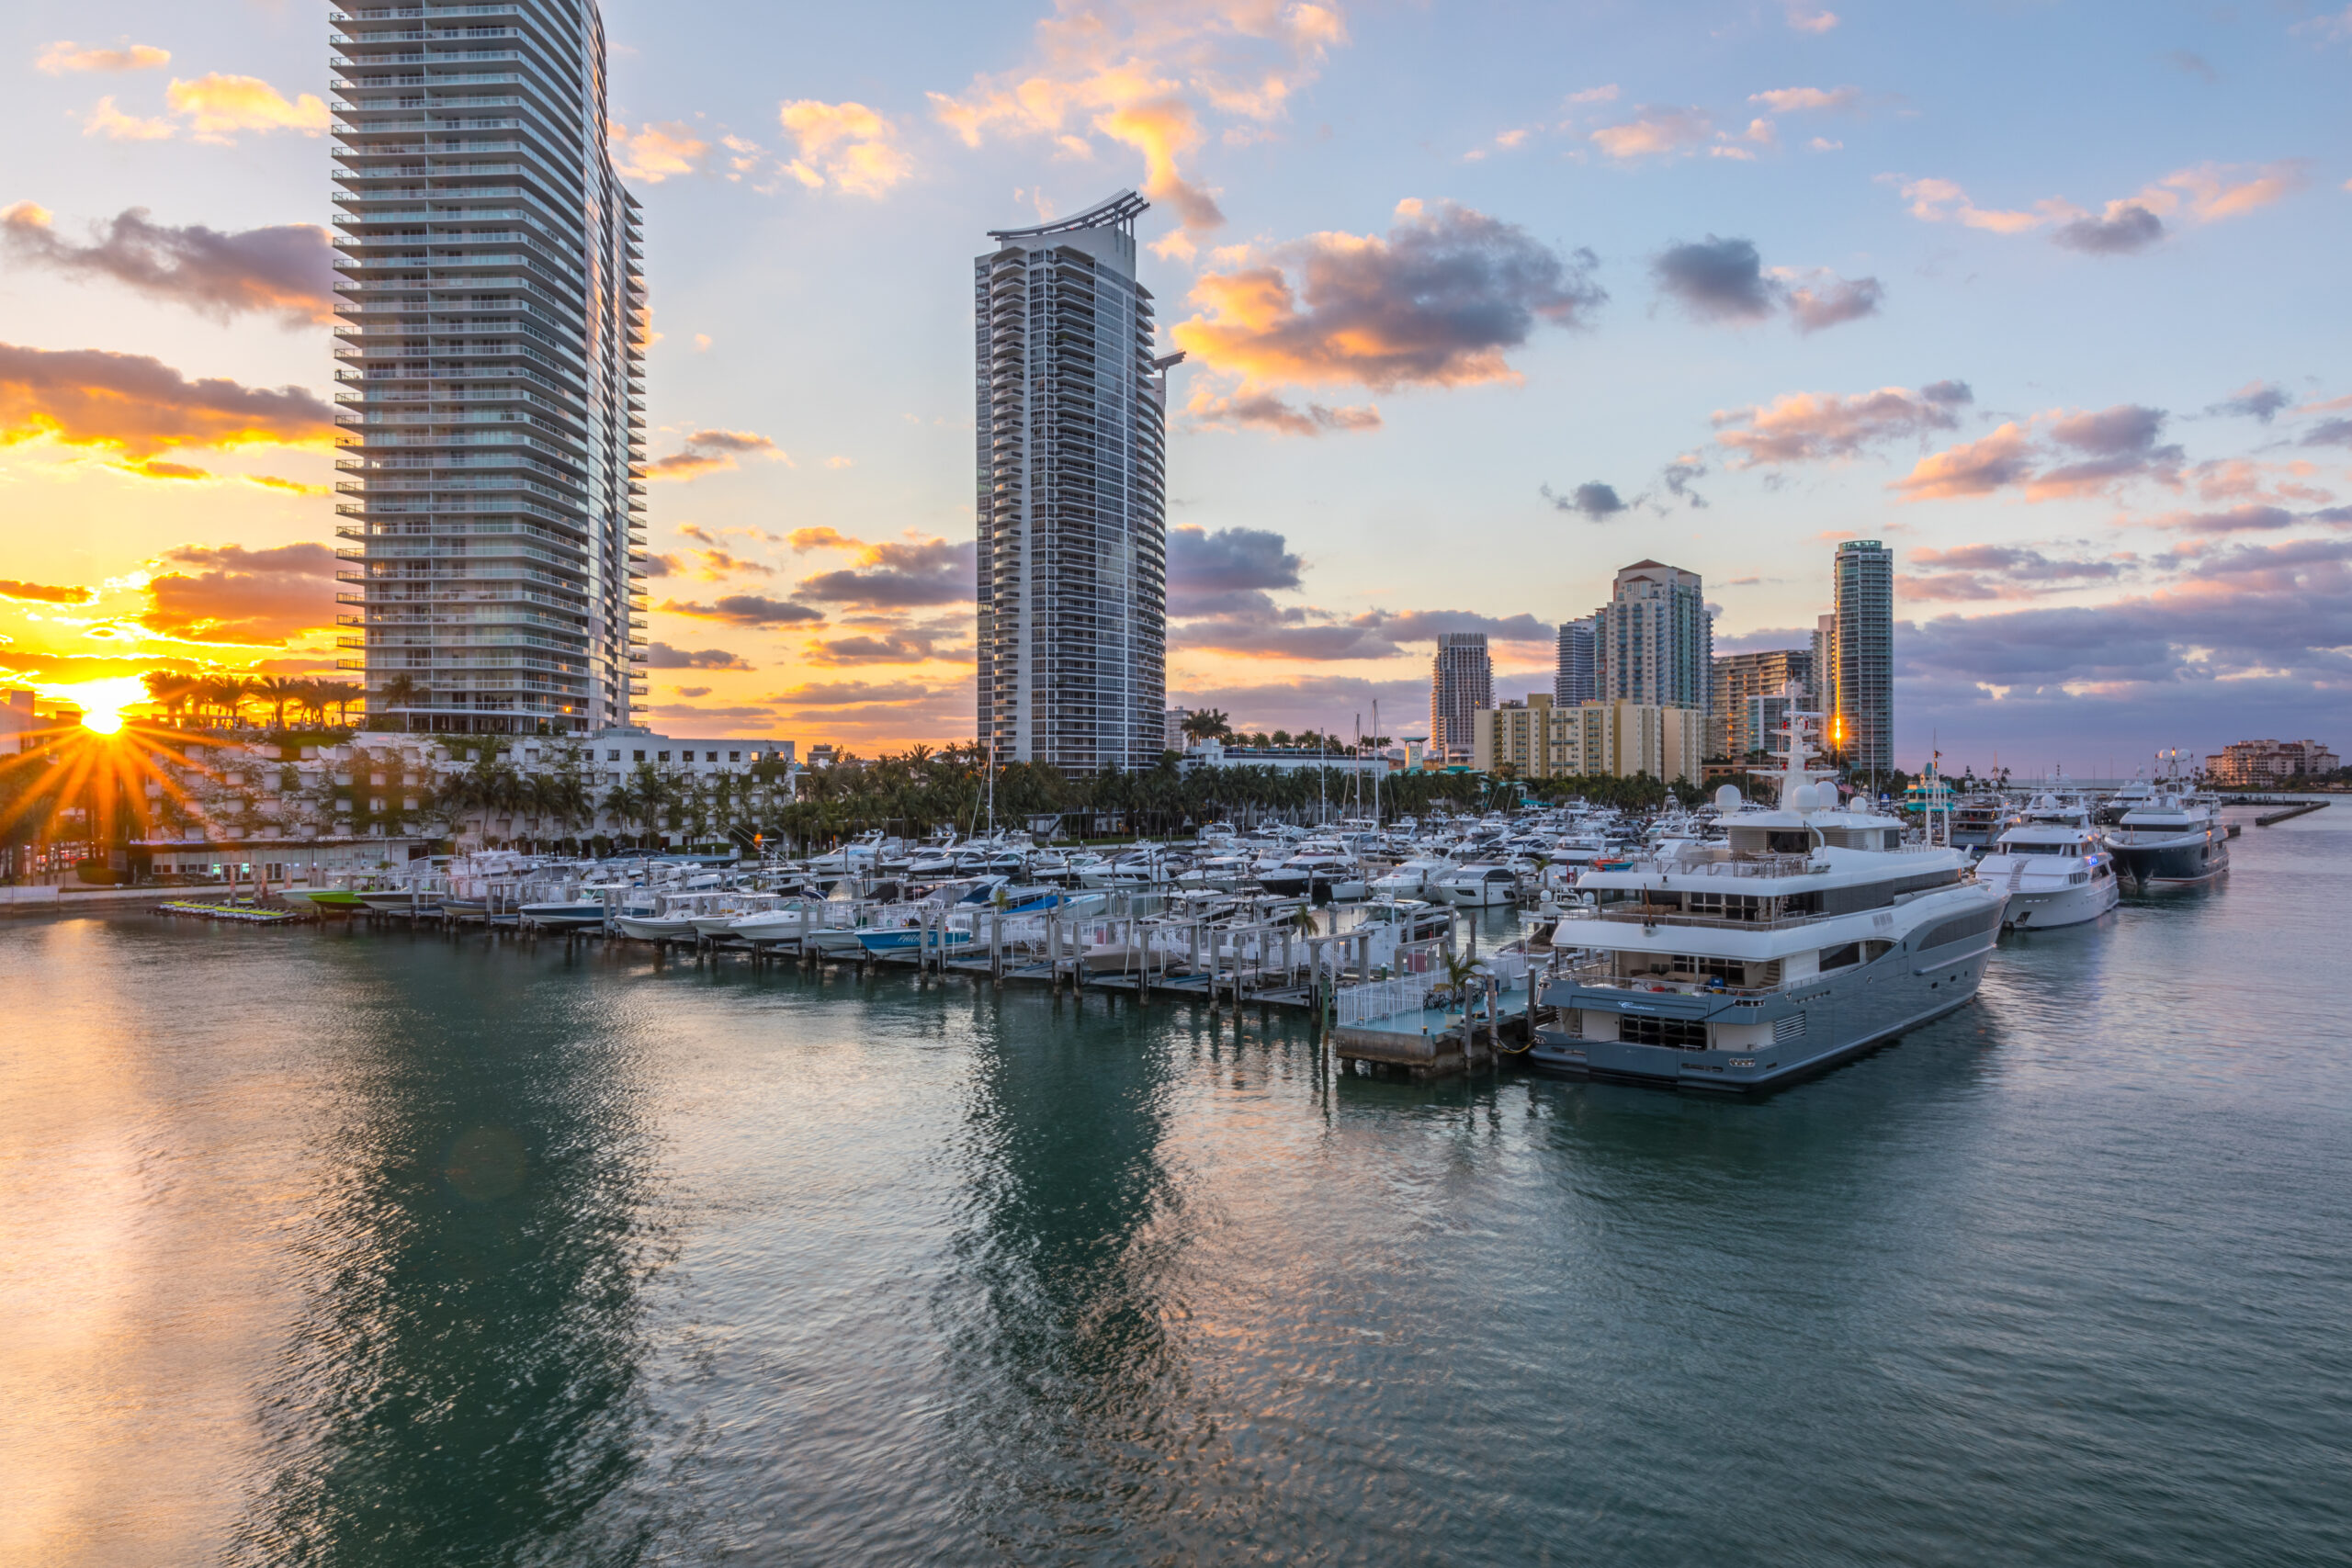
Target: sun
{"x": 102, "y": 702}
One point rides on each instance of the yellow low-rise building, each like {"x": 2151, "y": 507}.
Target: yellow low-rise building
{"x": 1540, "y": 740}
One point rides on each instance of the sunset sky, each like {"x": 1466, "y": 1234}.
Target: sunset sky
{"x": 1482, "y": 301}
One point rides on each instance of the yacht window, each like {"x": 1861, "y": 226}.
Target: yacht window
{"x": 1731, "y": 971}
{"x": 1789, "y": 840}
{"x": 1672, "y": 1032}
{"x": 1840, "y": 957}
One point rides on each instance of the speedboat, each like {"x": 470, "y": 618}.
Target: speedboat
{"x": 2056, "y": 874}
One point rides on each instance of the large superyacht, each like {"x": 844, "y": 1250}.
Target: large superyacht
{"x": 1812, "y": 934}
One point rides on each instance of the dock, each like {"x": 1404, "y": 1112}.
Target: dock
{"x": 2301, "y": 808}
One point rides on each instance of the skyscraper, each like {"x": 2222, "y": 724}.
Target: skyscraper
{"x": 1744, "y": 681}
{"x": 1573, "y": 683}
{"x": 489, "y": 347}
{"x": 1655, "y": 642}
{"x": 1861, "y": 711}
{"x": 1461, "y": 680}
{"x": 1072, "y": 527}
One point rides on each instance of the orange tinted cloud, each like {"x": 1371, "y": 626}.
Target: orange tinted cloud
{"x": 1803, "y": 427}
{"x": 1140, "y": 73}
{"x": 1656, "y": 132}
{"x": 655, "y": 152}
{"x": 1436, "y": 301}
{"x": 43, "y": 593}
{"x": 140, "y": 406}
{"x": 217, "y": 104}
{"x": 1264, "y": 410}
{"x": 1973, "y": 468}
{"x": 230, "y": 595}
{"x": 710, "y": 451}
{"x": 66, "y": 55}
{"x": 846, "y": 146}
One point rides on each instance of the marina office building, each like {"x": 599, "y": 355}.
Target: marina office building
{"x": 1070, "y": 406}
{"x": 490, "y": 340}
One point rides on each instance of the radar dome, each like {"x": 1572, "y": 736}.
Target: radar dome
{"x": 1804, "y": 798}
{"x": 1727, "y": 799}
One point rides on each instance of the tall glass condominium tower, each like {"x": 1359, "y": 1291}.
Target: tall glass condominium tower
{"x": 1071, "y": 407}
{"x": 491, "y": 314}
{"x": 1861, "y": 684}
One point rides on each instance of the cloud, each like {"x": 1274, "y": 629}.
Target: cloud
{"x": 909, "y": 645}
{"x": 1264, "y": 410}
{"x": 1799, "y": 100}
{"x": 1676, "y": 478}
{"x": 286, "y": 270}
{"x": 851, "y": 694}
{"x": 1804, "y": 427}
{"x": 110, "y": 122}
{"x": 2248, "y": 637}
{"x": 2128, "y": 228}
{"x": 661, "y": 656}
{"x": 1603, "y": 94}
{"x": 710, "y": 451}
{"x": 1809, "y": 18}
{"x": 43, "y": 593}
{"x": 228, "y": 593}
{"x": 2251, "y": 518}
{"x": 716, "y": 564}
{"x": 1656, "y": 132}
{"x": 2192, "y": 65}
{"x": 1973, "y": 468}
{"x": 2100, "y": 450}
{"x": 66, "y": 55}
{"x": 215, "y": 103}
{"x": 1595, "y": 501}
{"x": 747, "y": 610}
{"x": 1320, "y": 635}
{"x": 692, "y": 690}
{"x": 2005, "y": 571}
{"x": 153, "y": 468}
{"x": 1230, "y": 571}
{"x": 1833, "y": 301}
{"x": 139, "y": 405}
{"x": 846, "y": 146}
{"x": 2205, "y": 193}
{"x": 1716, "y": 280}
{"x": 1435, "y": 302}
{"x": 1724, "y": 280}
{"x": 822, "y": 539}
{"x": 2328, "y": 432}
{"x": 656, "y": 153}
{"x": 662, "y": 565}
{"x": 1143, "y": 73}
{"x": 893, "y": 575}
{"x": 2255, "y": 400}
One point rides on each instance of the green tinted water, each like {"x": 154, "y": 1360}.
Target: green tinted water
{"x": 326, "y": 1247}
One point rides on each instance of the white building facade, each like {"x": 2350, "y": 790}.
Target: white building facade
{"x": 1071, "y": 413}
{"x": 490, "y": 339}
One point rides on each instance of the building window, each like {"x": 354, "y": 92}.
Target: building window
{"x": 664, "y": 756}
{"x": 640, "y": 756}
{"x": 612, "y": 756}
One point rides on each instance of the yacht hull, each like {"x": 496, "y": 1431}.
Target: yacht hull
{"x": 2197, "y": 857}
{"x": 2064, "y": 907}
{"x": 1803, "y": 1031}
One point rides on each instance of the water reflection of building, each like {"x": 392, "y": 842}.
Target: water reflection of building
{"x": 1060, "y": 1360}
{"x": 465, "y": 1383}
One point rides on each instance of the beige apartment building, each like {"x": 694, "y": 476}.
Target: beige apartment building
{"x": 1541, "y": 739}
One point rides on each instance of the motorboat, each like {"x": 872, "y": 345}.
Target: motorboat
{"x": 1477, "y": 885}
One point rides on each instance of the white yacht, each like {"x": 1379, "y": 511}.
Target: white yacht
{"x": 2055, "y": 869}
{"x": 1477, "y": 885}
{"x": 1811, "y": 935}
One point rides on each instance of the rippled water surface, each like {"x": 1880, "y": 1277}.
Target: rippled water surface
{"x": 328, "y": 1247}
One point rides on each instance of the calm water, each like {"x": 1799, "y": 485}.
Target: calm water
{"x": 327, "y": 1248}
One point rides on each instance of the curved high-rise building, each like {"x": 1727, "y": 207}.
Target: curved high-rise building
{"x": 490, "y": 343}
{"x": 1861, "y": 673}
{"x": 1072, "y": 407}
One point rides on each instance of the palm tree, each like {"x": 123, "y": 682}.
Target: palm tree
{"x": 399, "y": 694}
{"x": 276, "y": 690}
{"x": 171, "y": 689}
{"x": 340, "y": 695}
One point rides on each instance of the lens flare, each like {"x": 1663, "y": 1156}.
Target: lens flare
{"x": 102, "y": 702}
